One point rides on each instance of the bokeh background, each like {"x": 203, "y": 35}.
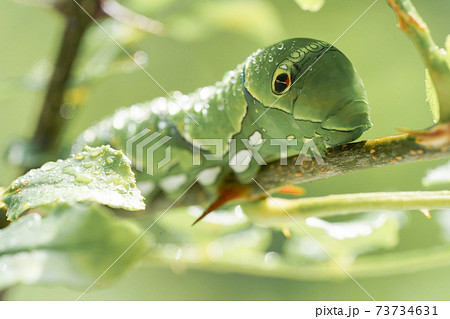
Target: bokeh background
{"x": 204, "y": 39}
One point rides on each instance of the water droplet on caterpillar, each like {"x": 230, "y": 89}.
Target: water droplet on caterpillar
{"x": 48, "y": 166}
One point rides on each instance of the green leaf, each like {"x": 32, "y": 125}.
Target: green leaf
{"x": 72, "y": 246}
{"x": 437, "y": 176}
{"x": 99, "y": 174}
{"x": 432, "y": 98}
{"x": 310, "y": 5}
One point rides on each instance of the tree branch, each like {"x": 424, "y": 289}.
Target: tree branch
{"x": 51, "y": 123}
{"x": 391, "y": 150}
{"x": 385, "y": 151}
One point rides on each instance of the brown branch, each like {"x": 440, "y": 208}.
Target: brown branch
{"x": 385, "y": 151}
{"x": 353, "y": 157}
{"x": 51, "y": 124}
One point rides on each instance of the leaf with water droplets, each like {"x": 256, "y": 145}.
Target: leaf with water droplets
{"x": 99, "y": 174}
{"x": 72, "y": 246}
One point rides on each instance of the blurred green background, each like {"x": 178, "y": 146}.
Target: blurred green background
{"x": 203, "y": 40}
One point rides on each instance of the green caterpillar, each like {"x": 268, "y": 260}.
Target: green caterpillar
{"x": 307, "y": 89}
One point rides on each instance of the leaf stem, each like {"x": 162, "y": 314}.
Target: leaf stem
{"x": 434, "y": 57}
{"x": 267, "y": 212}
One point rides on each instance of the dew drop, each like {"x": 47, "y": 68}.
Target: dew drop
{"x": 48, "y": 166}
{"x": 88, "y": 165}
{"x": 140, "y": 57}
{"x": 79, "y": 156}
{"x": 271, "y": 258}
{"x": 162, "y": 125}
{"x": 70, "y": 170}
{"x": 95, "y": 153}
{"x": 115, "y": 180}
{"x": 83, "y": 178}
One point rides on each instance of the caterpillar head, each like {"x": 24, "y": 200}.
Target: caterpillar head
{"x": 312, "y": 81}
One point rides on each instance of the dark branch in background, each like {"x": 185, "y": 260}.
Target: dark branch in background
{"x": 51, "y": 124}
{"x": 3, "y": 220}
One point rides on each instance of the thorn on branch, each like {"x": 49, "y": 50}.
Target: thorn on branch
{"x": 438, "y": 136}
{"x": 352, "y": 157}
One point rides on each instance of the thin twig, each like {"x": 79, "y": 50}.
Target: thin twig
{"x": 122, "y": 14}
{"x": 51, "y": 123}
